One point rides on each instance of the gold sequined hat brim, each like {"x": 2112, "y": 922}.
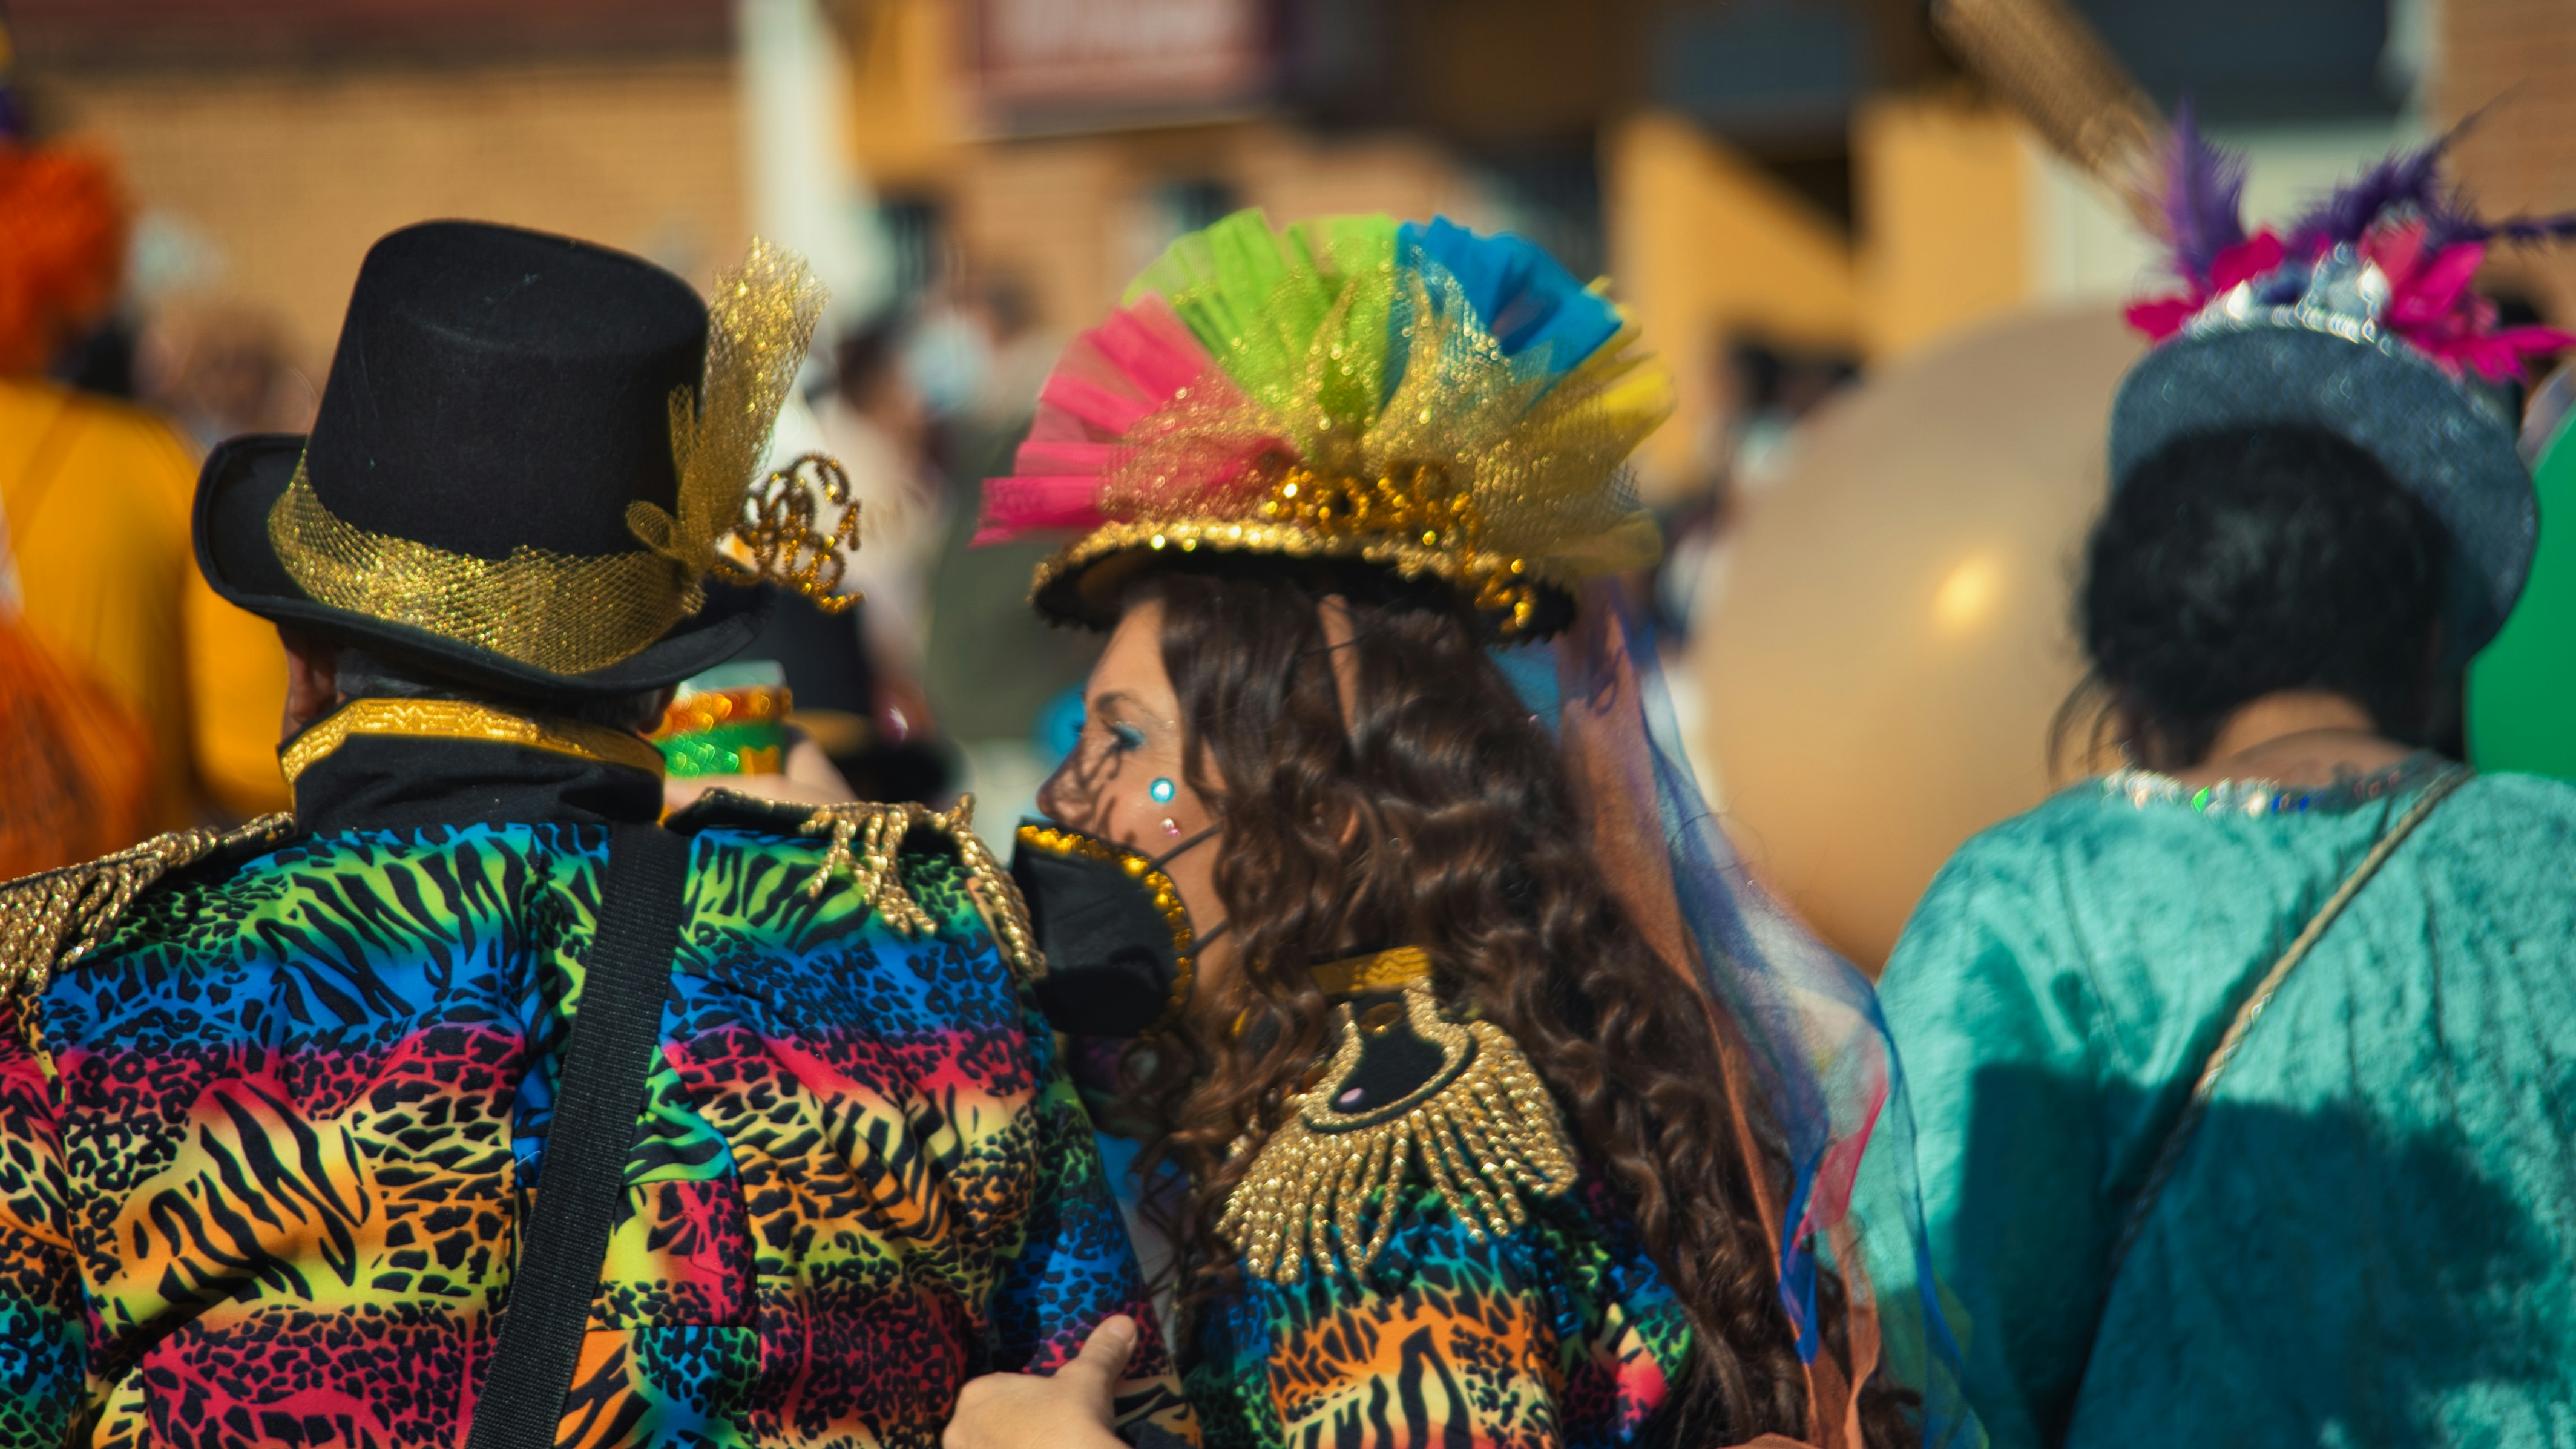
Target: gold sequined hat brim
{"x": 240, "y": 486}
{"x": 1083, "y": 582}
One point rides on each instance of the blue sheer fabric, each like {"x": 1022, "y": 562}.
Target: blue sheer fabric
{"x": 2371, "y": 1237}
{"x": 1803, "y": 1026}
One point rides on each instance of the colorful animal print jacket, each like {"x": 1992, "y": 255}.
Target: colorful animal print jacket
{"x": 1560, "y": 1333}
{"x": 264, "y": 1147}
{"x": 1428, "y": 1261}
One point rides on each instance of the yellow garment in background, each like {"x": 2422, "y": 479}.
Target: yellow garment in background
{"x": 98, "y": 497}
{"x": 76, "y": 762}
{"x": 236, "y": 696}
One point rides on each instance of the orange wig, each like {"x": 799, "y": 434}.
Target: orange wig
{"x": 62, "y": 248}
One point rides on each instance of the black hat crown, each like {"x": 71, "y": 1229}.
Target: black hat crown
{"x": 548, "y": 366}
{"x": 526, "y": 454}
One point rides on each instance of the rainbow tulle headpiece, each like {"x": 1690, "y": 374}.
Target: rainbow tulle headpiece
{"x": 1443, "y": 404}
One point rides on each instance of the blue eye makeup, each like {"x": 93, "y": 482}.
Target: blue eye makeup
{"x": 1128, "y": 736}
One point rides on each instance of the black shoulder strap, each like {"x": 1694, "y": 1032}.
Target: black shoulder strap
{"x": 625, "y": 979}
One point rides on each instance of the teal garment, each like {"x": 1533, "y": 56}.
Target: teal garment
{"x": 2371, "y": 1239}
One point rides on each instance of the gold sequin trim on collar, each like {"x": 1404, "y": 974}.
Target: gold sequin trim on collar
{"x": 456, "y": 719}
{"x": 1399, "y": 967}
{"x": 1482, "y": 1129}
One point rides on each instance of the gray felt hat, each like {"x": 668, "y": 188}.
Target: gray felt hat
{"x": 2306, "y": 347}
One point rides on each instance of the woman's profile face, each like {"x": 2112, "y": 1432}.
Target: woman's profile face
{"x": 1124, "y": 781}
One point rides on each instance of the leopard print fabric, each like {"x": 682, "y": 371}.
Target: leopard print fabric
{"x": 261, "y": 1168}
{"x": 1560, "y": 1333}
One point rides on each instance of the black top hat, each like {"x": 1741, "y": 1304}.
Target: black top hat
{"x": 500, "y": 402}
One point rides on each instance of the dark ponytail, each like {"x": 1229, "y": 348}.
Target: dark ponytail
{"x": 2230, "y": 565}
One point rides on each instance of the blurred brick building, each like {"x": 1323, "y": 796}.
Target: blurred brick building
{"x": 1812, "y": 172}
{"x": 271, "y": 140}
{"x": 2515, "y": 60}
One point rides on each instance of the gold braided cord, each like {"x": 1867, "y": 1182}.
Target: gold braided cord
{"x": 50, "y": 921}
{"x": 1483, "y": 1130}
{"x": 1400, "y": 967}
{"x": 866, "y": 842}
{"x": 456, "y": 719}
{"x": 779, "y": 539}
{"x": 573, "y": 614}
{"x": 1479, "y": 468}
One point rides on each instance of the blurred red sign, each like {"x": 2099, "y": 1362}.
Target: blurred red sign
{"x": 1067, "y": 57}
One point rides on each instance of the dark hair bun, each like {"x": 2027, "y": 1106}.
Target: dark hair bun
{"x": 2233, "y": 564}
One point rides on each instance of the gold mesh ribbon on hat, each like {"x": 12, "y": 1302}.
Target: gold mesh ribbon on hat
{"x": 572, "y": 614}
{"x": 1474, "y": 469}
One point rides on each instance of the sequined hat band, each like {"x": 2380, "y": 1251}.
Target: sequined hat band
{"x": 572, "y": 614}
{"x": 558, "y": 612}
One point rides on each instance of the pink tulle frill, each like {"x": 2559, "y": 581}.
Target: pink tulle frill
{"x": 1140, "y": 361}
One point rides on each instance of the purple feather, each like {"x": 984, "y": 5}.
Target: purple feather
{"x": 2404, "y": 179}
{"x": 2448, "y": 222}
{"x": 2452, "y": 227}
{"x": 2204, "y": 199}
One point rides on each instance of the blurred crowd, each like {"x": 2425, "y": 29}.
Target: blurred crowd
{"x": 125, "y": 387}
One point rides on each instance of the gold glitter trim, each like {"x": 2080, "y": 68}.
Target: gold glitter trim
{"x": 874, "y": 869}
{"x": 1219, "y": 535}
{"x": 455, "y": 719}
{"x": 50, "y": 921}
{"x": 558, "y": 612}
{"x": 1167, "y": 899}
{"x": 1400, "y": 967}
{"x": 572, "y": 614}
{"x": 1483, "y": 1128}
{"x": 1410, "y": 502}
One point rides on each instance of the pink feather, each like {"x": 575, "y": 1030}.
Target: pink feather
{"x": 1112, "y": 378}
{"x": 1109, "y": 385}
{"x": 1017, "y": 506}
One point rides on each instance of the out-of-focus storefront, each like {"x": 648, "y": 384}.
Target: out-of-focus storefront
{"x": 269, "y": 142}
{"x": 1815, "y": 174}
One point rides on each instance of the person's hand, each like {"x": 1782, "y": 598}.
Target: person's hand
{"x": 1068, "y": 1410}
{"x": 809, "y": 780}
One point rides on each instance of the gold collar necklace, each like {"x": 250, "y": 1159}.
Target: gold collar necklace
{"x": 456, "y": 719}
{"x": 1378, "y": 971}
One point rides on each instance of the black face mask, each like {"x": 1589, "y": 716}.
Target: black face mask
{"x": 1119, "y": 948}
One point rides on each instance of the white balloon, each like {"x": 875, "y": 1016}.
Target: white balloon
{"x": 1894, "y": 638}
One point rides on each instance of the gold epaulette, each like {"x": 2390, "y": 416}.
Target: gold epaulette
{"x": 866, "y": 836}
{"x": 1482, "y": 1127}
{"x": 51, "y": 920}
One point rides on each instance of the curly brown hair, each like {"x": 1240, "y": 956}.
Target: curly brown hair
{"x": 1440, "y": 817}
